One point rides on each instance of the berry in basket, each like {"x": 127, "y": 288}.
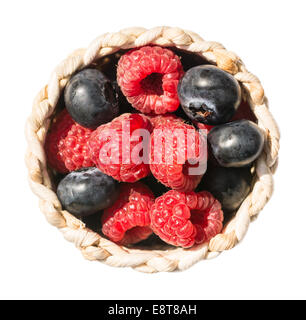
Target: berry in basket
{"x": 112, "y": 147}
{"x": 237, "y": 143}
{"x": 229, "y": 185}
{"x": 183, "y": 219}
{"x": 87, "y": 191}
{"x": 128, "y": 221}
{"x": 209, "y": 95}
{"x": 174, "y": 144}
{"x": 91, "y": 99}
{"x": 66, "y": 144}
{"x": 148, "y": 77}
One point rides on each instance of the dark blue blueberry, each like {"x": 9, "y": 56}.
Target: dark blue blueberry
{"x": 91, "y": 99}
{"x": 209, "y": 95}
{"x": 229, "y": 185}
{"x": 87, "y": 191}
{"x": 237, "y": 143}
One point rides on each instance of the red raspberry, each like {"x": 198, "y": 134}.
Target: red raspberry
{"x": 128, "y": 220}
{"x": 66, "y": 144}
{"x": 148, "y": 77}
{"x": 184, "y": 219}
{"x": 173, "y": 144}
{"x": 117, "y": 149}
{"x": 164, "y": 120}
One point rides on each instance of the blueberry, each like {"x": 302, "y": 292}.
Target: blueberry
{"x": 209, "y": 95}
{"x": 91, "y": 99}
{"x": 237, "y": 143}
{"x": 87, "y": 191}
{"x": 229, "y": 185}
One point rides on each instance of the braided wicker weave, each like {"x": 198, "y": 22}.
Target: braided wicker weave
{"x": 91, "y": 244}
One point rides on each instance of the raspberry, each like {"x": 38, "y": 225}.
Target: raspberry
{"x": 184, "y": 219}
{"x": 127, "y": 221}
{"x": 148, "y": 77}
{"x": 163, "y": 120}
{"x": 66, "y": 144}
{"x": 173, "y": 144}
{"x": 113, "y": 145}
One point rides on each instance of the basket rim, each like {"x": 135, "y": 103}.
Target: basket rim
{"x": 91, "y": 244}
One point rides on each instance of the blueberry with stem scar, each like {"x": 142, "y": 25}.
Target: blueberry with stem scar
{"x": 209, "y": 95}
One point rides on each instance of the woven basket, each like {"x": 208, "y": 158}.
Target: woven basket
{"x": 91, "y": 244}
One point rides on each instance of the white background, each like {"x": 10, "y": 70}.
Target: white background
{"x": 35, "y": 260}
